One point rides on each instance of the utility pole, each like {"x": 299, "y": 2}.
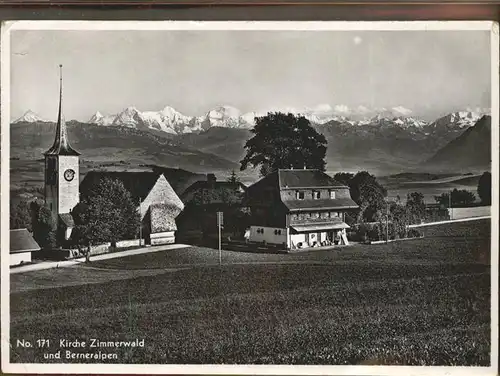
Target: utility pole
{"x": 220, "y": 219}
{"x": 387, "y": 223}
{"x": 449, "y": 205}
{"x": 140, "y": 223}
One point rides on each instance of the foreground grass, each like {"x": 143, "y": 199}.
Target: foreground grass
{"x": 404, "y": 312}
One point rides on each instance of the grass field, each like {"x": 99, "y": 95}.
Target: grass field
{"x": 424, "y": 301}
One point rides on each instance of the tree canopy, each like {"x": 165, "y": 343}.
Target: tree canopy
{"x": 43, "y": 225}
{"x": 460, "y": 197}
{"x": 20, "y": 216}
{"x": 233, "y": 178}
{"x": 343, "y": 177}
{"x": 284, "y": 141}
{"x": 105, "y": 214}
{"x": 484, "y": 188}
{"x": 415, "y": 207}
{"x": 368, "y": 193}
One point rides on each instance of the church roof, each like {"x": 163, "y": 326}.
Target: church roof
{"x": 61, "y": 144}
{"x": 139, "y": 184}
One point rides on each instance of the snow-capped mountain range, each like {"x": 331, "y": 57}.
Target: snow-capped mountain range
{"x": 171, "y": 121}
{"x": 30, "y": 117}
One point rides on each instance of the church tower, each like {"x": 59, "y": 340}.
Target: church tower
{"x": 61, "y": 169}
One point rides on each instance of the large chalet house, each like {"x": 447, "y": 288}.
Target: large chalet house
{"x": 202, "y": 200}
{"x": 299, "y": 209}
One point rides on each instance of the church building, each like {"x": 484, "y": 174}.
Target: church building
{"x": 157, "y": 202}
{"x": 62, "y": 175}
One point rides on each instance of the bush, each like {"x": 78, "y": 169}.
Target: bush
{"x": 414, "y": 233}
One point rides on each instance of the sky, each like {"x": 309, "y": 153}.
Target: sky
{"x": 430, "y": 72}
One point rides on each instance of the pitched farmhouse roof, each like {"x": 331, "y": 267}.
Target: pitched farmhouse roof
{"x": 203, "y": 184}
{"x": 139, "y": 184}
{"x": 306, "y": 179}
{"x": 22, "y": 241}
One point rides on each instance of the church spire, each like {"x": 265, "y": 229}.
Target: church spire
{"x": 61, "y": 144}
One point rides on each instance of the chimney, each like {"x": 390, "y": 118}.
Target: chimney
{"x": 211, "y": 179}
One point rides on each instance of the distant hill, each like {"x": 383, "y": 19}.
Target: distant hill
{"x": 470, "y": 150}
{"x": 98, "y": 143}
{"x": 226, "y": 142}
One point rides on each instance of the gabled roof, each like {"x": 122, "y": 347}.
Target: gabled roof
{"x": 61, "y": 144}
{"x": 306, "y": 179}
{"x": 22, "y": 241}
{"x": 203, "y": 184}
{"x": 139, "y": 184}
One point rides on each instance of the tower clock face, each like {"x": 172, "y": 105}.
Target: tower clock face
{"x": 69, "y": 174}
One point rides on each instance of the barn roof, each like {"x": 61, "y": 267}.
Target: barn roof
{"x": 203, "y": 184}
{"x": 139, "y": 184}
{"x": 21, "y": 240}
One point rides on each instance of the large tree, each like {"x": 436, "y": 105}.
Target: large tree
{"x": 484, "y": 188}
{"x": 43, "y": 225}
{"x": 20, "y": 216}
{"x": 106, "y": 213}
{"x": 415, "y": 207}
{"x": 459, "y": 197}
{"x": 343, "y": 177}
{"x": 284, "y": 141}
{"x": 369, "y": 194}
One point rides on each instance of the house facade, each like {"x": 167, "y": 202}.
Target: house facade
{"x": 22, "y": 246}
{"x": 203, "y": 199}
{"x": 299, "y": 209}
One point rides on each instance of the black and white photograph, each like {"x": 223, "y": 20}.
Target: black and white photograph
{"x": 250, "y": 197}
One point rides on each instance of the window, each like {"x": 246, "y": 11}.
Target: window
{"x": 294, "y": 217}
{"x": 315, "y": 215}
{"x": 334, "y": 214}
{"x": 316, "y": 195}
{"x": 332, "y": 195}
{"x": 324, "y": 215}
{"x": 299, "y": 195}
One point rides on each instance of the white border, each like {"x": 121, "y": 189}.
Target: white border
{"x": 7, "y": 27}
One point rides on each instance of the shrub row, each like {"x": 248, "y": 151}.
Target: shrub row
{"x": 365, "y": 232}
